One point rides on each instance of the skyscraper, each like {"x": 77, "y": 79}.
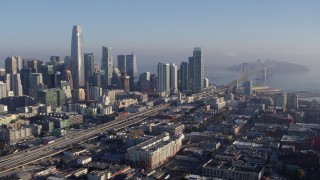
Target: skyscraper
{"x": 122, "y": 63}
{"x": 247, "y": 87}
{"x": 292, "y": 101}
{"x": 3, "y": 90}
{"x": 184, "y": 77}
{"x": 77, "y": 57}
{"x": 132, "y": 71}
{"x": 280, "y": 100}
{"x": 89, "y": 67}
{"x": 67, "y": 62}
{"x": 163, "y": 82}
{"x": 144, "y": 81}
{"x": 173, "y": 78}
{"x": 25, "y": 76}
{"x": 13, "y": 82}
{"x": 35, "y": 81}
{"x": 106, "y": 64}
{"x": 196, "y": 71}
{"x": 12, "y": 64}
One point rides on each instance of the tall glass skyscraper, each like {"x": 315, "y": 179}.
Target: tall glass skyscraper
{"x": 122, "y": 63}
{"x": 196, "y": 71}
{"x": 106, "y": 64}
{"x": 77, "y": 61}
{"x": 132, "y": 70}
{"x": 184, "y": 76}
{"x": 89, "y": 67}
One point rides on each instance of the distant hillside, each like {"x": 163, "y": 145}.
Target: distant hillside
{"x": 275, "y": 66}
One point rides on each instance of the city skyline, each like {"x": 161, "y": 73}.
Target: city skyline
{"x": 231, "y": 32}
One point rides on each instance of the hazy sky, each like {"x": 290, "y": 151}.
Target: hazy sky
{"x": 229, "y": 32}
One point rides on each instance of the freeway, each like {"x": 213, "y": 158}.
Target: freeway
{"x": 30, "y": 155}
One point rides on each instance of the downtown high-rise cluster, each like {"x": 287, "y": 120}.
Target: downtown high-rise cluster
{"x": 79, "y": 75}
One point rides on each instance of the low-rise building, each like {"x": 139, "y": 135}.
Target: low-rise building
{"x": 236, "y": 170}
{"x": 13, "y": 136}
{"x": 84, "y": 160}
{"x": 152, "y": 153}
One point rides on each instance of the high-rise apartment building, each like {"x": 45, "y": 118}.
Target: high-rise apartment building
{"x": 247, "y": 87}
{"x": 292, "y": 101}
{"x": 77, "y": 61}
{"x": 206, "y": 83}
{"x": 89, "y": 67}
{"x": 196, "y": 71}
{"x": 173, "y": 78}
{"x": 163, "y": 81}
{"x": 280, "y": 100}
{"x": 106, "y": 64}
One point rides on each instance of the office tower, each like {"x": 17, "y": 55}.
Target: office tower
{"x": 163, "y": 82}
{"x": 116, "y": 78}
{"x": 3, "y": 90}
{"x": 68, "y": 77}
{"x": 280, "y": 100}
{"x": 206, "y": 83}
{"x": 89, "y": 67}
{"x": 24, "y": 63}
{"x": 173, "y": 78}
{"x": 97, "y": 79}
{"x": 19, "y": 63}
{"x": 48, "y": 75}
{"x": 94, "y": 93}
{"x": 96, "y": 67}
{"x": 125, "y": 82}
{"x": 122, "y": 63}
{"x": 35, "y": 81}
{"x": 292, "y": 101}
{"x": 79, "y": 94}
{"x": 67, "y": 62}
{"x": 132, "y": 71}
{"x": 51, "y": 97}
{"x": 2, "y": 74}
{"x": 11, "y": 64}
{"x": 247, "y": 87}
{"x": 77, "y": 57}
{"x": 106, "y": 64}
{"x": 184, "y": 69}
{"x": 25, "y": 75}
{"x": 144, "y": 81}
{"x": 35, "y": 65}
{"x": 153, "y": 81}
{"x": 13, "y": 82}
{"x": 196, "y": 71}
{"x": 55, "y": 60}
